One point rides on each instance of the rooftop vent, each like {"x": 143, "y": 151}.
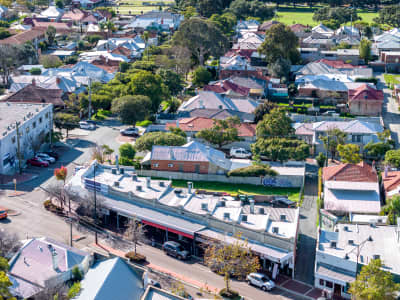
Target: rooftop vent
{"x": 283, "y": 217}
{"x": 114, "y": 171}
{"x": 134, "y": 177}
{"x": 333, "y": 244}
{"x": 275, "y": 230}
{"x": 261, "y": 211}
{"x": 204, "y": 206}
{"x": 116, "y": 183}
{"x": 346, "y": 257}
{"x": 139, "y": 188}
{"x": 346, "y": 228}
{"x": 161, "y": 183}
{"x": 376, "y": 256}
{"x": 227, "y": 216}
{"x": 121, "y": 170}
{"x": 222, "y": 203}
{"x": 351, "y": 242}
{"x": 244, "y": 218}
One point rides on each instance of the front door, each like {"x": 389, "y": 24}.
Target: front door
{"x": 337, "y": 289}
{"x": 197, "y": 168}
{"x": 180, "y": 167}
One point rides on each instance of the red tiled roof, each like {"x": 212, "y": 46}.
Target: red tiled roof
{"x": 226, "y": 85}
{"x": 196, "y": 124}
{"x": 365, "y": 92}
{"x": 74, "y": 15}
{"x": 391, "y": 181}
{"x": 298, "y": 27}
{"x": 361, "y": 172}
{"x": 36, "y": 94}
{"x": 23, "y": 37}
{"x": 121, "y": 50}
{"x": 60, "y": 27}
{"x": 338, "y": 64}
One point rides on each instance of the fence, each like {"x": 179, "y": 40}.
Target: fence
{"x": 276, "y": 181}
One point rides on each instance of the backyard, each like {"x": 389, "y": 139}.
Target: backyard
{"x": 135, "y": 7}
{"x": 234, "y": 189}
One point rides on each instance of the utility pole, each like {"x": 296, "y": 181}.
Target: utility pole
{"x": 90, "y": 98}
{"x": 95, "y": 203}
{"x": 18, "y": 149}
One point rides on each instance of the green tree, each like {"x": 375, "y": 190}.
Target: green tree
{"x": 3, "y": 264}
{"x": 255, "y": 170}
{"x": 321, "y": 159}
{"x": 222, "y": 133}
{"x": 332, "y": 139}
{"x": 349, "y": 153}
{"x": 148, "y": 140}
{"x": 150, "y": 85}
{"x": 172, "y": 80}
{"x": 280, "y": 42}
{"x": 202, "y": 37}
{"x": 74, "y": 290}
{"x": 66, "y": 121}
{"x": 280, "y": 68}
{"x": 5, "y": 284}
{"x": 35, "y": 71}
{"x": 60, "y": 4}
{"x": 131, "y": 109}
{"x": 340, "y": 14}
{"x": 4, "y": 33}
{"x": 189, "y": 12}
{"x": 208, "y": 7}
{"x": 389, "y": 15}
{"x": 262, "y": 109}
{"x": 235, "y": 259}
{"x": 124, "y": 66}
{"x": 50, "y": 35}
{"x": 50, "y": 61}
{"x": 281, "y": 149}
{"x": 127, "y": 150}
{"x": 374, "y": 283}
{"x": 252, "y": 8}
{"x": 201, "y": 76}
{"x": 392, "y": 209}
{"x": 392, "y": 157}
{"x": 365, "y": 50}
{"x": 224, "y": 22}
{"x": 275, "y": 124}
{"x": 177, "y": 131}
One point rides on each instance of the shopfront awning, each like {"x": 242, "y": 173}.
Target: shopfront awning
{"x": 333, "y": 274}
{"x": 155, "y": 218}
{"x": 264, "y": 251}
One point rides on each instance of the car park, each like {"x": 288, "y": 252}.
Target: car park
{"x": 130, "y": 131}
{"x": 176, "y": 250}
{"x": 239, "y": 153}
{"x": 260, "y": 280}
{"x": 86, "y": 125}
{"x": 37, "y": 162}
{"x": 46, "y": 157}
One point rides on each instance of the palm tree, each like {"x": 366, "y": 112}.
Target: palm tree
{"x": 392, "y": 208}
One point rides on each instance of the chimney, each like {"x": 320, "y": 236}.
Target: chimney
{"x": 252, "y": 206}
{"x": 148, "y": 182}
{"x": 34, "y": 82}
{"x": 190, "y": 185}
{"x": 54, "y": 257}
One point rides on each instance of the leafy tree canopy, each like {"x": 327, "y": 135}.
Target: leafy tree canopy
{"x": 275, "y": 124}
{"x": 131, "y": 109}
{"x": 148, "y": 140}
{"x": 201, "y": 76}
{"x": 223, "y": 132}
{"x": 392, "y": 157}
{"x": 127, "y": 150}
{"x": 349, "y": 153}
{"x": 252, "y": 8}
{"x": 389, "y": 15}
{"x": 340, "y": 14}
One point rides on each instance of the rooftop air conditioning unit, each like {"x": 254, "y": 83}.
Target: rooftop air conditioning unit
{"x": 116, "y": 183}
{"x": 283, "y": 217}
{"x": 204, "y": 206}
{"x": 139, "y": 188}
{"x": 261, "y": 211}
{"x": 227, "y": 216}
{"x": 333, "y": 244}
{"x": 244, "y": 218}
{"x": 275, "y": 230}
{"x": 161, "y": 184}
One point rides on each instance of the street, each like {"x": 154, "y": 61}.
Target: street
{"x": 32, "y": 220}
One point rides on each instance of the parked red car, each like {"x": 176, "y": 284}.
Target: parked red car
{"x": 37, "y": 162}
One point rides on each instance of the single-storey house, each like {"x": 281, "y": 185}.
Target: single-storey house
{"x": 365, "y": 100}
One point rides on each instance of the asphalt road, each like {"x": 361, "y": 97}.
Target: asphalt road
{"x": 32, "y": 220}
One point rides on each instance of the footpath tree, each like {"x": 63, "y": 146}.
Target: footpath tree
{"x": 222, "y": 133}
{"x": 202, "y": 37}
{"x": 365, "y": 50}
{"x": 201, "y": 76}
{"x": 148, "y": 140}
{"x": 333, "y": 139}
{"x": 66, "y": 121}
{"x": 50, "y": 35}
{"x": 392, "y": 209}
{"x": 280, "y": 42}
{"x": 132, "y": 109}
{"x": 349, "y": 153}
{"x": 392, "y": 158}
{"x": 378, "y": 150}
{"x": 231, "y": 259}
{"x": 374, "y": 283}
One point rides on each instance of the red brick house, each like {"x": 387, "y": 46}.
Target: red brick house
{"x": 192, "y": 157}
{"x": 365, "y": 100}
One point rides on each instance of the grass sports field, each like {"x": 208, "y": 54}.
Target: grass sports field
{"x": 137, "y": 6}
{"x": 303, "y": 15}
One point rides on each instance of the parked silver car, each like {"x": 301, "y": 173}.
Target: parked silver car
{"x": 260, "y": 280}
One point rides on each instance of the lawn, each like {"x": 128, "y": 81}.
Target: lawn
{"x": 303, "y": 15}
{"x": 234, "y": 189}
{"x": 137, "y": 6}
{"x": 391, "y": 79}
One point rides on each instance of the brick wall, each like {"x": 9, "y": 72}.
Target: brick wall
{"x": 180, "y": 166}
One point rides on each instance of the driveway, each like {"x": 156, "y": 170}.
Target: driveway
{"x": 390, "y": 111}
{"x": 305, "y": 255}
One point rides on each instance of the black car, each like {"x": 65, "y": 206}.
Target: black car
{"x": 176, "y": 250}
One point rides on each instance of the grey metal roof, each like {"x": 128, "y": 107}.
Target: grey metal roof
{"x": 335, "y": 273}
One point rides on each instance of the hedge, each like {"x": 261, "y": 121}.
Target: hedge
{"x": 369, "y": 79}
{"x": 253, "y": 171}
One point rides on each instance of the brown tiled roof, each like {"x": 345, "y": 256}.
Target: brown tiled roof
{"x": 365, "y": 93}
{"x": 36, "y": 94}
{"x": 23, "y": 37}
{"x": 60, "y": 27}
{"x": 361, "y": 172}
{"x": 74, "y": 15}
{"x": 391, "y": 181}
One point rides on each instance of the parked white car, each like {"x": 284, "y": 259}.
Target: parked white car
{"x": 260, "y": 280}
{"x": 86, "y": 125}
{"x": 46, "y": 157}
{"x": 130, "y": 131}
{"x": 240, "y": 153}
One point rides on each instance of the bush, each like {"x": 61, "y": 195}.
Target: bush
{"x": 124, "y": 161}
{"x": 144, "y": 123}
{"x": 49, "y": 205}
{"x": 127, "y": 150}
{"x": 77, "y": 274}
{"x": 254, "y": 171}
{"x": 49, "y": 61}
{"x": 71, "y": 60}
{"x": 135, "y": 257}
{"x": 4, "y": 33}
{"x": 369, "y": 80}
{"x": 74, "y": 290}
{"x": 4, "y": 24}
{"x": 94, "y": 38}
{"x": 35, "y": 71}
{"x": 201, "y": 76}
{"x": 148, "y": 140}
{"x": 321, "y": 158}
{"x": 230, "y": 294}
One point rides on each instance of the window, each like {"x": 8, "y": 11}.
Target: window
{"x": 170, "y": 165}
{"x": 27, "y": 129}
{"x": 40, "y": 120}
{"x": 155, "y": 165}
{"x": 321, "y": 282}
{"x": 34, "y": 125}
{"x": 356, "y": 138}
{"x": 46, "y": 115}
{"x": 13, "y": 139}
{"x": 328, "y": 284}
